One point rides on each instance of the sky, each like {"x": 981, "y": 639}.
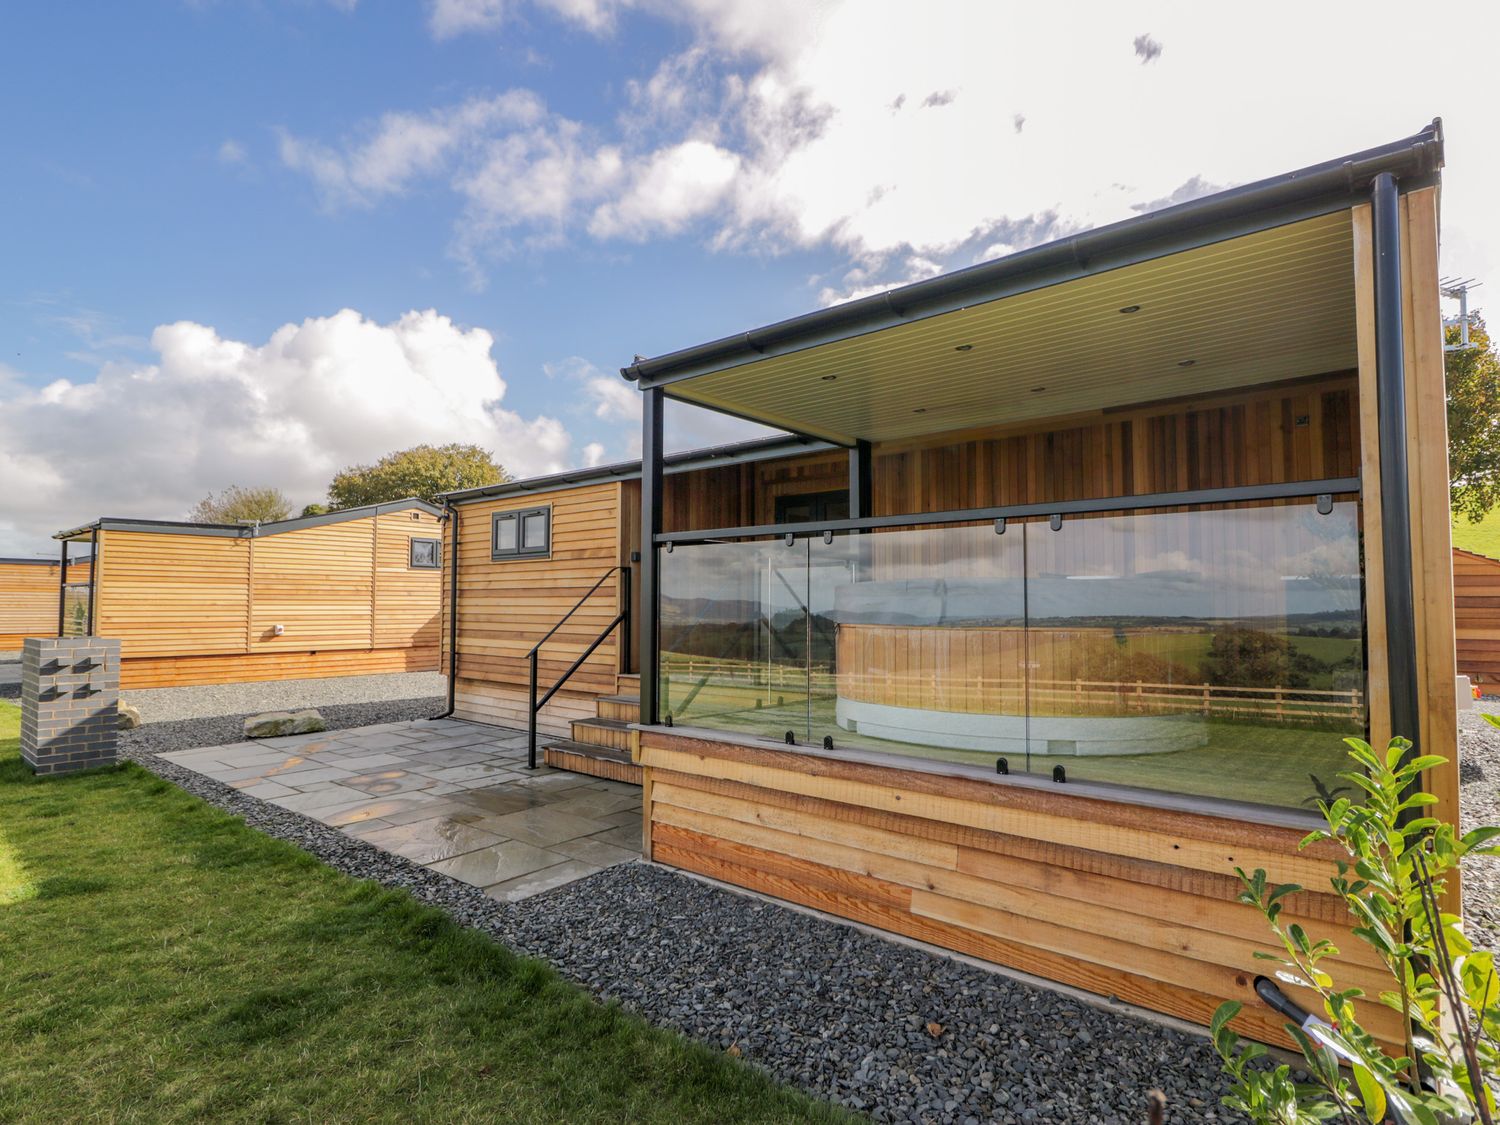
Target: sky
{"x": 251, "y": 242}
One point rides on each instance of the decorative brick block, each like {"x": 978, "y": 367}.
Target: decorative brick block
{"x": 70, "y": 696}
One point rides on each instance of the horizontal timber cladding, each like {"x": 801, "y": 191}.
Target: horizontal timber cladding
{"x": 28, "y": 600}
{"x": 195, "y": 609}
{"x": 505, "y": 606}
{"x": 1121, "y": 900}
{"x": 1476, "y": 605}
{"x": 1305, "y": 431}
{"x": 235, "y": 668}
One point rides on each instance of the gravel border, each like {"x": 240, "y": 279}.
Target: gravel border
{"x": 204, "y": 701}
{"x": 828, "y": 1007}
{"x": 1479, "y": 786}
{"x": 222, "y": 730}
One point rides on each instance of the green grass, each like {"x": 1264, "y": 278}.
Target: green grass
{"x": 1482, "y": 538}
{"x": 162, "y": 962}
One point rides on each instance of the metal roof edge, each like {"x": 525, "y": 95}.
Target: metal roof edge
{"x": 248, "y": 531}
{"x": 11, "y": 561}
{"x": 732, "y": 453}
{"x": 1309, "y": 191}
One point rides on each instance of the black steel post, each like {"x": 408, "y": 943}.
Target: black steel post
{"x": 625, "y": 617}
{"x": 861, "y": 500}
{"x": 1390, "y": 383}
{"x": 62, "y": 590}
{"x": 531, "y": 718}
{"x": 652, "y": 405}
{"x": 93, "y": 577}
{"x": 451, "y": 516}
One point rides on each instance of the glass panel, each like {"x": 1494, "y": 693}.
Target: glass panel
{"x": 1218, "y": 653}
{"x": 922, "y": 635}
{"x": 534, "y": 531}
{"x": 505, "y": 533}
{"x": 76, "y": 609}
{"x": 734, "y": 637}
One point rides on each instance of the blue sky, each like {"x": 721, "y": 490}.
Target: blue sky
{"x": 252, "y": 242}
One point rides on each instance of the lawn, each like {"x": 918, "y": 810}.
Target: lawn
{"x": 162, "y": 962}
{"x": 1482, "y": 538}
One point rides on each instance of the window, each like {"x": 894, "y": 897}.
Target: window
{"x": 425, "y": 554}
{"x": 521, "y": 534}
{"x": 813, "y": 507}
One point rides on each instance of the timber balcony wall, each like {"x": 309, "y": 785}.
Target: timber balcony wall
{"x": 1214, "y": 652}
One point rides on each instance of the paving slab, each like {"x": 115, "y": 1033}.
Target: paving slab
{"x": 453, "y": 796}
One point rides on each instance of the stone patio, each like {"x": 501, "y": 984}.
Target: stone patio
{"x": 455, "y": 797}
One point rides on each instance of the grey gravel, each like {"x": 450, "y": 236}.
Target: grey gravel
{"x": 203, "y": 701}
{"x": 222, "y": 730}
{"x": 1479, "y": 781}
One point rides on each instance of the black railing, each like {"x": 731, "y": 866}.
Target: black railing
{"x": 621, "y": 620}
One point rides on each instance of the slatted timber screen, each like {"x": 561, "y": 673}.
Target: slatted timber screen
{"x": 507, "y": 605}
{"x": 1476, "y": 607}
{"x": 1121, "y": 900}
{"x": 28, "y": 600}
{"x": 192, "y": 609}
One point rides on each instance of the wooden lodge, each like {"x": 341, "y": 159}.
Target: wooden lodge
{"x": 353, "y": 592}
{"x": 33, "y": 599}
{"x": 1052, "y": 608}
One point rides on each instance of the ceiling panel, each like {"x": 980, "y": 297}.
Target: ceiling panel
{"x": 1274, "y": 305}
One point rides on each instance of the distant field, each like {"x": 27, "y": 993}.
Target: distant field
{"x": 1482, "y": 538}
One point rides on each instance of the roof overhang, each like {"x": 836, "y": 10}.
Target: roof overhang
{"x": 1248, "y": 286}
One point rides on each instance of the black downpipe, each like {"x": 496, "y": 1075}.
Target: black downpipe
{"x": 651, "y": 505}
{"x": 452, "y": 516}
{"x": 1390, "y": 384}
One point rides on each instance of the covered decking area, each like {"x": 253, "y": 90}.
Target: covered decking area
{"x": 1140, "y": 525}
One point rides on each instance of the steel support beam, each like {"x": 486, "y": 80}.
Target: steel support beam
{"x": 861, "y": 499}
{"x": 652, "y": 405}
{"x": 62, "y": 589}
{"x": 1395, "y": 496}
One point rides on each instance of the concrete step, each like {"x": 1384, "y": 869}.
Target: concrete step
{"x": 626, "y": 708}
{"x": 614, "y": 733}
{"x": 595, "y": 761}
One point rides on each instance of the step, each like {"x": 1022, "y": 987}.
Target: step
{"x": 595, "y": 761}
{"x": 626, "y": 681}
{"x": 614, "y": 733}
{"x": 626, "y": 708}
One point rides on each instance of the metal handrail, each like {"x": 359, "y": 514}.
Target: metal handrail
{"x": 621, "y": 620}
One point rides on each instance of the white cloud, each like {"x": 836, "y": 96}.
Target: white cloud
{"x": 233, "y": 152}
{"x": 676, "y": 187}
{"x": 896, "y": 142}
{"x": 402, "y": 147}
{"x": 149, "y": 439}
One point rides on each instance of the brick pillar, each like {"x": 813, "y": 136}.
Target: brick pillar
{"x": 70, "y": 695}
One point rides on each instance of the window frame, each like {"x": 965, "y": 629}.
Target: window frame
{"x": 411, "y": 553}
{"x": 520, "y": 551}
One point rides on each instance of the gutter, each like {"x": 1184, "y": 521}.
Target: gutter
{"x": 1318, "y": 189}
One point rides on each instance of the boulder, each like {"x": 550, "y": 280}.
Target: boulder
{"x": 130, "y": 717}
{"x": 275, "y": 724}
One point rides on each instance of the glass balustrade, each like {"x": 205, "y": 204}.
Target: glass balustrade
{"x": 1213, "y": 652}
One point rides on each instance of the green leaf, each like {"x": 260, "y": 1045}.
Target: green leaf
{"x": 1371, "y": 1096}
{"x": 1223, "y": 1014}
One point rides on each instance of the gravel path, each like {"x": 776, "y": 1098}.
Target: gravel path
{"x": 1479, "y": 778}
{"x": 170, "y": 704}
{"x": 823, "y": 1005}
{"x": 221, "y": 730}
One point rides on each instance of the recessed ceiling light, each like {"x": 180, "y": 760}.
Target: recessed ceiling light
{"x": 829, "y": 378}
{"x": 1131, "y": 309}
{"x": 1186, "y": 362}
{"x": 964, "y": 348}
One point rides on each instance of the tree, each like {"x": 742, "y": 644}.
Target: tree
{"x": 1473, "y": 377}
{"x": 315, "y": 510}
{"x": 424, "y": 471}
{"x": 1241, "y": 657}
{"x": 237, "y": 505}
